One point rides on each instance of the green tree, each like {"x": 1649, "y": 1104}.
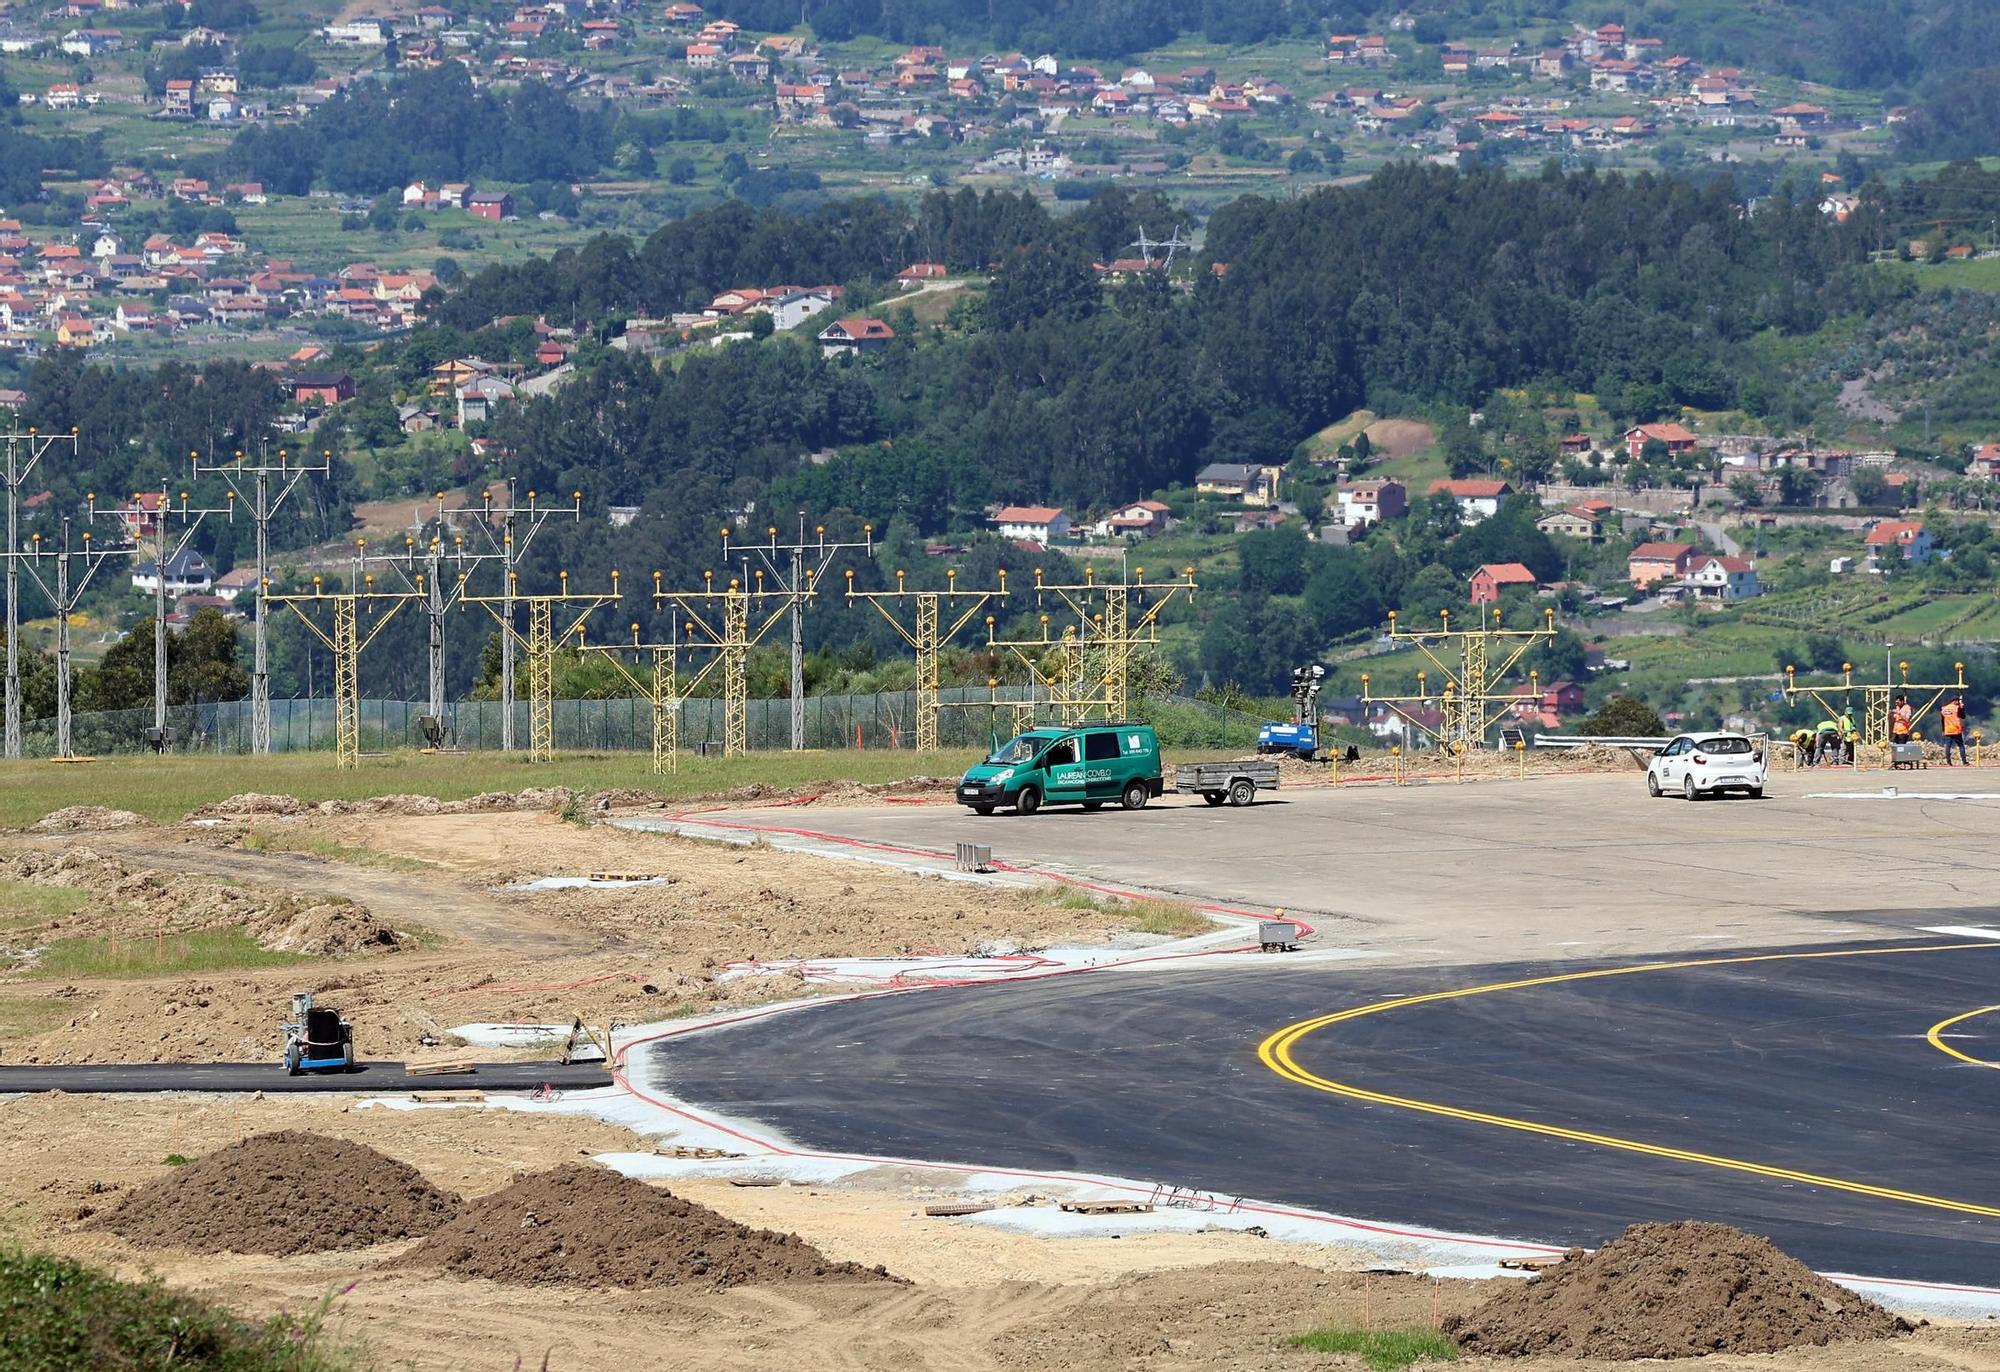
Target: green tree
{"x": 1624, "y": 716}
{"x": 201, "y": 666}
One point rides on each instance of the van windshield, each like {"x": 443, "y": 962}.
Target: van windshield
{"x": 1021, "y": 749}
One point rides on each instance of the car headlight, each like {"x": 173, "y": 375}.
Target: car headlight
{"x": 1002, "y": 775}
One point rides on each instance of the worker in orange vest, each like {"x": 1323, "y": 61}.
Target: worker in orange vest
{"x": 1901, "y": 721}
{"x": 1953, "y": 715}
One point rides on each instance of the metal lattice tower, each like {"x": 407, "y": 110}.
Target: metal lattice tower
{"x": 1470, "y": 697}
{"x": 1093, "y": 654}
{"x": 662, "y": 688}
{"x": 542, "y": 642}
{"x": 24, "y": 454}
{"x": 933, "y": 630}
{"x": 64, "y": 597}
{"x": 794, "y": 568}
{"x": 263, "y": 503}
{"x": 1878, "y": 699}
{"x": 346, "y": 640}
{"x": 735, "y": 666}
{"x": 508, "y": 530}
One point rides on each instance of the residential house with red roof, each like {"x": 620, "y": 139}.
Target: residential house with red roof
{"x": 1477, "y": 497}
{"x": 1677, "y": 438}
{"x": 1490, "y": 579}
{"x": 1042, "y": 524}
{"x": 1651, "y": 563}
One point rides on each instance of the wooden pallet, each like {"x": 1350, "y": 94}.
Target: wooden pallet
{"x": 942, "y": 1212}
{"x": 440, "y": 1067}
{"x": 446, "y": 1097}
{"x": 682, "y": 1150}
{"x": 1106, "y": 1207}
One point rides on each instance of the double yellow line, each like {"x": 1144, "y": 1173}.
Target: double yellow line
{"x": 1276, "y": 1053}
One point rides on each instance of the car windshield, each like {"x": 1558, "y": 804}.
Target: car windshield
{"x": 1021, "y": 749}
{"x": 1725, "y": 745}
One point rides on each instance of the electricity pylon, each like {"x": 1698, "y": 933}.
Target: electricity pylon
{"x": 1093, "y": 655}
{"x": 251, "y": 483}
{"x": 24, "y": 454}
{"x": 1470, "y": 691}
{"x": 794, "y": 568}
{"x": 64, "y": 597}
{"x": 663, "y": 689}
{"x": 542, "y": 641}
{"x": 1878, "y": 699}
{"x": 931, "y": 633}
{"x": 517, "y": 527}
{"x": 164, "y": 557}
{"x": 346, "y": 641}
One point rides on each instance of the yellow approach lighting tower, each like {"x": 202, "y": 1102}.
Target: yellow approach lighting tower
{"x": 933, "y": 630}
{"x": 1878, "y": 699}
{"x": 346, "y": 639}
{"x": 1093, "y": 655}
{"x": 663, "y": 689}
{"x": 542, "y": 642}
{"x": 507, "y": 530}
{"x": 1472, "y": 667}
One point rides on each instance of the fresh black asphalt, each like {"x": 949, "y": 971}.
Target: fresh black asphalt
{"x": 1810, "y": 1065}
{"x": 271, "y": 1078}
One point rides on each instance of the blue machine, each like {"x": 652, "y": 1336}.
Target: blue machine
{"x": 1300, "y": 738}
{"x": 317, "y": 1040}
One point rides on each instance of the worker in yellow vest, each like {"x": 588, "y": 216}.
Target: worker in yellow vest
{"x": 1850, "y": 734}
{"x": 1953, "y": 717}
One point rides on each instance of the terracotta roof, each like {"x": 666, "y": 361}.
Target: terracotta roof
{"x": 1894, "y": 531}
{"x": 1661, "y": 552}
{"x": 1027, "y": 514}
{"x": 1480, "y": 488}
{"x": 1507, "y": 573}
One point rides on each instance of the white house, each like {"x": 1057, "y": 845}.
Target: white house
{"x": 1478, "y": 498}
{"x": 1033, "y": 523}
{"x": 793, "y": 308}
{"x": 1138, "y": 519}
{"x": 480, "y": 397}
{"x": 1727, "y": 579}
{"x": 360, "y": 33}
{"x": 1898, "y": 539}
{"x": 187, "y": 573}
{"x": 1370, "y": 502}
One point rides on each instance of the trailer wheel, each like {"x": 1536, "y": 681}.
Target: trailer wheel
{"x": 1135, "y": 796}
{"x": 1242, "y": 791}
{"x": 1215, "y": 797}
{"x": 291, "y": 1059}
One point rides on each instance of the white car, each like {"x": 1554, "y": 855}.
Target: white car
{"x": 1698, "y": 765}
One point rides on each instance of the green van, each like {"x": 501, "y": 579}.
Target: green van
{"x": 1087, "y": 764}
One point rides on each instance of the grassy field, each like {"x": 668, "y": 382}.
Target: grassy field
{"x": 207, "y": 950}
{"x": 165, "y": 789}
{"x": 308, "y": 233}
{"x": 1979, "y": 274}
{"x": 24, "y": 902}
{"x": 1384, "y": 1350}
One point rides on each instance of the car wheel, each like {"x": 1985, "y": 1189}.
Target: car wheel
{"x": 1756, "y": 793}
{"x": 1029, "y": 801}
{"x": 1687, "y": 787}
{"x": 1242, "y": 791}
{"x": 1652, "y": 786}
{"x": 1215, "y": 797}
{"x": 1135, "y": 796}
{"x": 982, "y": 809}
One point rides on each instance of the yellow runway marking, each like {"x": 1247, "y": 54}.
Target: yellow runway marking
{"x": 1936, "y": 1036}
{"x": 1276, "y": 1053}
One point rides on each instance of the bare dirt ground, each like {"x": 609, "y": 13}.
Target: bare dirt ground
{"x": 981, "y": 1299}
{"x": 1396, "y": 438}
{"x": 465, "y": 948}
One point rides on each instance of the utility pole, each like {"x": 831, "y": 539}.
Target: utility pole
{"x": 263, "y": 504}
{"x": 787, "y": 564}
{"x": 64, "y": 598}
{"x": 24, "y": 454}
{"x": 163, "y": 558}
{"x": 517, "y": 527}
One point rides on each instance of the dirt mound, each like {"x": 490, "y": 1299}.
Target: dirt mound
{"x": 283, "y": 1193}
{"x": 123, "y": 901}
{"x": 586, "y": 1226}
{"x": 86, "y": 819}
{"x": 1680, "y": 1290}
{"x": 249, "y": 803}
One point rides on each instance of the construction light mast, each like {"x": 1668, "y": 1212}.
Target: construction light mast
{"x": 794, "y": 568}
{"x": 518, "y": 525}
{"x": 1469, "y": 695}
{"x": 932, "y": 632}
{"x": 163, "y": 558}
{"x": 263, "y": 502}
{"x": 24, "y": 454}
{"x": 64, "y": 597}
{"x": 542, "y": 642}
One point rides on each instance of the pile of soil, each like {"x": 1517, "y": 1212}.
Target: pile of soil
{"x": 283, "y": 1193}
{"x": 127, "y": 901}
{"x": 587, "y": 1226}
{"x": 1680, "y": 1290}
{"x": 251, "y": 803}
{"x": 86, "y": 819}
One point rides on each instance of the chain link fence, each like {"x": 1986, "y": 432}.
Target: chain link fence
{"x": 885, "y": 719}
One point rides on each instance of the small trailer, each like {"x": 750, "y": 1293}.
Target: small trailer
{"x": 1236, "y": 782}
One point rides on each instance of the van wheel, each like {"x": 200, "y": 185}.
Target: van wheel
{"x": 1134, "y": 797}
{"x": 1242, "y": 791}
{"x": 982, "y": 809}
{"x": 1215, "y": 797}
{"x": 1029, "y": 801}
